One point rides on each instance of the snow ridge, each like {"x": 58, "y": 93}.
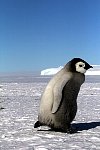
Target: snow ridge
{"x": 51, "y": 71}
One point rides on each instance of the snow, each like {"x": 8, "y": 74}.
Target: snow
{"x": 21, "y": 103}
{"x": 51, "y": 71}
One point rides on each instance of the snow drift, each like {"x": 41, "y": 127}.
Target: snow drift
{"x": 51, "y": 71}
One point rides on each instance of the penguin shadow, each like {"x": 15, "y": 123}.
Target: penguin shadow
{"x": 85, "y": 126}
{"x": 2, "y": 108}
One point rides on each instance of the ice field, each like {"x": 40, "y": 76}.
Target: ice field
{"x": 20, "y": 97}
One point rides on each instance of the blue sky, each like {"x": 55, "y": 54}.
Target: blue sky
{"x": 39, "y": 34}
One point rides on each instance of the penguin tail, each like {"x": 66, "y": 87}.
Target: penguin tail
{"x": 37, "y": 124}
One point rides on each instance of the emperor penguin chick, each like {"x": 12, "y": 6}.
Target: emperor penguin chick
{"x": 58, "y": 104}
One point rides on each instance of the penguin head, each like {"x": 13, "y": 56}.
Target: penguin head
{"x": 79, "y": 65}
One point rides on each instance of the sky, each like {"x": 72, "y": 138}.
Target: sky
{"x": 40, "y": 34}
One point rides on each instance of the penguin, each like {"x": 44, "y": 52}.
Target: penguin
{"x": 58, "y": 105}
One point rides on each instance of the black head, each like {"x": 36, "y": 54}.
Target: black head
{"x": 79, "y": 65}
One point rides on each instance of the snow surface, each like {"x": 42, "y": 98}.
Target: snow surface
{"x": 51, "y": 71}
{"x": 21, "y": 102}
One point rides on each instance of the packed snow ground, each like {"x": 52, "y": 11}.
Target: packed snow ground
{"x": 21, "y": 102}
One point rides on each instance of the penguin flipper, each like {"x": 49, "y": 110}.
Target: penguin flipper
{"x": 57, "y": 91}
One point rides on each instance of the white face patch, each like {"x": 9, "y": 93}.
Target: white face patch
{"x": 80, "y": 67}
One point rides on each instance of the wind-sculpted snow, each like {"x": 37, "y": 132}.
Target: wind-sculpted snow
{"x": 51, "y": 71}
{"x": 21, "y": 102}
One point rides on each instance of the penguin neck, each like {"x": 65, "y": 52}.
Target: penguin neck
{"x": 68, "y": 67}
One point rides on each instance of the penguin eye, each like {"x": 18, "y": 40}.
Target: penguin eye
{"x": 80, "y": 65}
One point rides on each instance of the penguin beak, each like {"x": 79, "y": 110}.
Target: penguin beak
{"x": 91, "y": 66}
{"x": 88, "y": 66}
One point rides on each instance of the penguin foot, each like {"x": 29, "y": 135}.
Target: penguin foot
{"x": 69, "y": 130}
{"x": 37, "y": 124}
{"x": 56, "y": 130}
